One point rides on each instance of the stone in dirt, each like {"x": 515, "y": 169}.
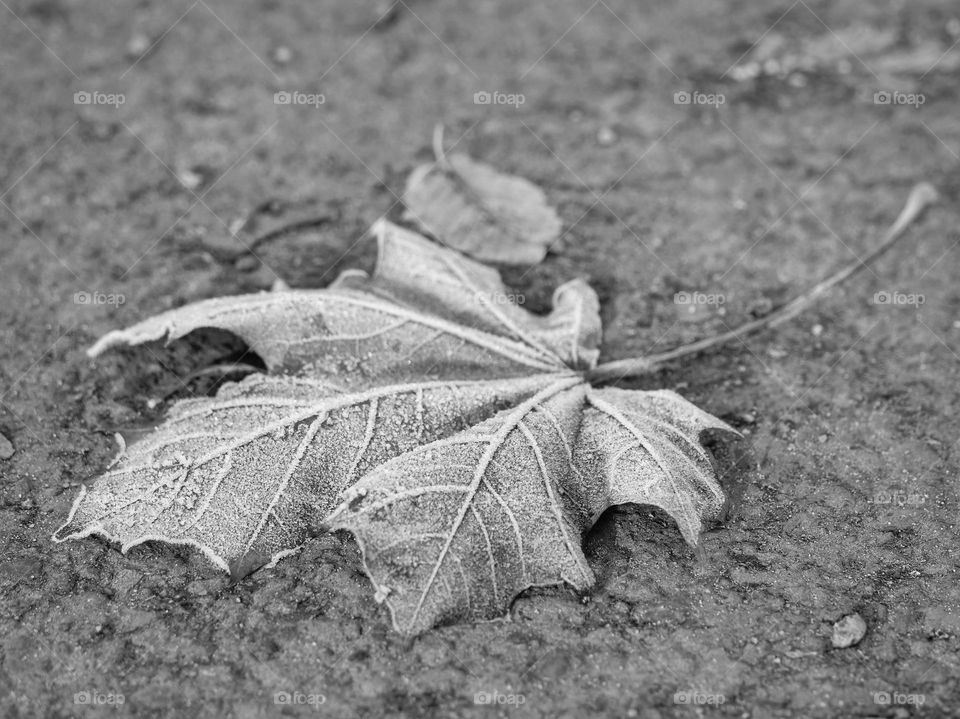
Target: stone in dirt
{"x": 6, "y": 448}
{"x": 849, "y": 631}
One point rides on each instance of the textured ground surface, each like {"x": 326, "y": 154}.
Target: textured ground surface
{"x": 845, "y": 501}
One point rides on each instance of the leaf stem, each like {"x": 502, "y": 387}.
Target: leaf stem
{"x": 922, "y": 195}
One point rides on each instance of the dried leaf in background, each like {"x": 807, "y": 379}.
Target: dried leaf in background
{"x": 469, "y": 206}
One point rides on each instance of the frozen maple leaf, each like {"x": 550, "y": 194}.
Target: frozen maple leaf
{"x": 458, "y": 433}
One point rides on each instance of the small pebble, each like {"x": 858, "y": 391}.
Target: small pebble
{"x": 6, "y": 448}
{"x": 760, "y": 307}
{"x": 749, "y": 71}
{"x": 190, "y": 179}
{"x": 849, "y": 631}
{"x": 282, "y": 55}
{"x": 246, "y": 263}
{"x": 137, "y": 45}
{"x": 822, "y": 438}
{"x": 816, "y": 330}
{"x": 606, "y": 136}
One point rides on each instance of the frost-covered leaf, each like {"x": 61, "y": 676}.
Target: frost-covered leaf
{"x": 427, "y": 313}
{"x": 473, "y": 208}
{"x": 451, "y": 431}
{"x": 457, "y": 528}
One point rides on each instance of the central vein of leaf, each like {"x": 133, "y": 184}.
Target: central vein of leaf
{"x": 510, "y": 423}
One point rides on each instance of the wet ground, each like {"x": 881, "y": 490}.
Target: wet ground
{"x": 779, "y": 164}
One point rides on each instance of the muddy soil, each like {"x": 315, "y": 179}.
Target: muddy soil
{"x": 779, "y": 165}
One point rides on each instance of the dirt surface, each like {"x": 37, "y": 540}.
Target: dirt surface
{"x": 844, "y": 494}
